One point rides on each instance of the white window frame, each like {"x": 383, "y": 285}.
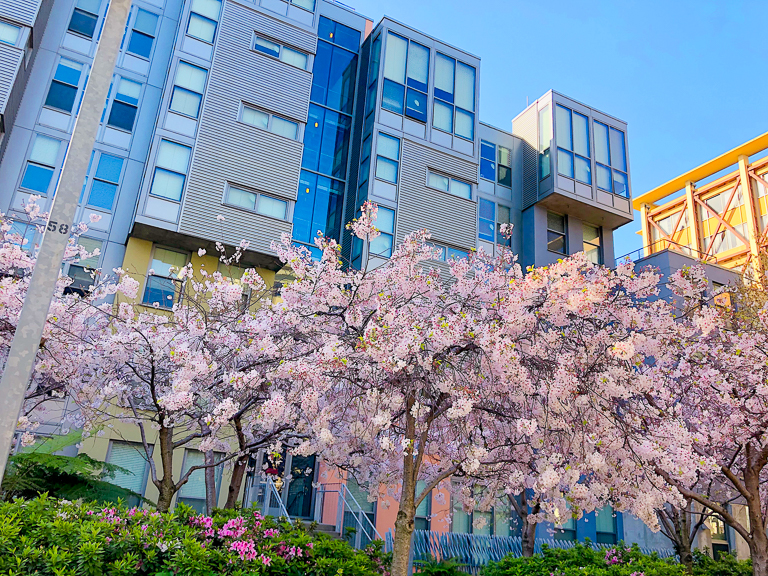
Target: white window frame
{"x": 299, "y": 125}
{"x": 444, "y": 248}
{"x": 451, "y": 179}
{"x": 216, "y": 22}
{"x": 133, "y": 29}
{"x": 281, "y": 46}
{"x": 288, "y": 207}
{"x": 19, "y": 31}
{"x": 564, "y": 233}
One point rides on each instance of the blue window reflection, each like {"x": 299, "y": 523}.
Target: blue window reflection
{"x": 326, "y": 142}
{"x": 318, "y": 207}
{"x": 416, "y": 105}
{"x": 333, "y": 77}
{"x": 37, "y": 178}
{"x": 336, "y": 33}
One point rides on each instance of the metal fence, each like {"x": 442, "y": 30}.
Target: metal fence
{"x": 474, "y": 551}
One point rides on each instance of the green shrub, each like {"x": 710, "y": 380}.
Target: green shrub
{"x": 433, "y": 567}
{"x": 52, "y": 537}
{"x": 725, "y": 565}
{"x": 582, "y": 560}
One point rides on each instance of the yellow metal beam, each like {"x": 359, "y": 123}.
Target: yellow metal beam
{"x": 707, "y": 169}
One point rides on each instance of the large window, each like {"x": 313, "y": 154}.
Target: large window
{"x": 188, "y": 88}
{"x": 545, "y": 138}
{"x": 287, "y": 55}
{"x": 84, "y": 17}
{"x": 143, "y": 33}
{"x": 422, "y": 520}
{"x": 387, "y": 157}
{"x": 447, "y": 252}
{"x": 318, "y": 207}
{"x": 611, "y": 157}
{"x": 567, "y": 530}
{"x": 41, "y": 164}
{"x": 63, "y": 90}
{"x": 125, "y": 105}
{"x": 496, "y": 163}
{"x": 193, "y": 492}
{"x": 605, "y": 520}
{"x": 104, "y": 187}
{"x": 162, "y": 279}
{"x": 573, "y": 149}
{"x": 454, "y": 97}
{"x": 203, "y": 19}
{"x": 592, "y": 247}
{"x": 556, "y": 233}
{"x": 170, "y": 170}
{"x": 23, "y": 235}
{"x": 406, "y": 77}
{"x": 491, "y": 218}
{"x": 335, "y": 67}
{"x": 257, "y": 202}
{"x": 492, "y": 522}
{"x": 308, "y": 5}
{"x": 326, "y": 142}
{"x": 9, "y": 34}
{"x": 385, "y": 222}
{"x": 449, "y": 184}
{"x": 131, "y": 457}
{"x": 82, "y": 273}
{"x": 267, "y": 121}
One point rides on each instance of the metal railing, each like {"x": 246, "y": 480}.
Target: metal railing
{"x": 660, "y": 246}
{"x": 266, "y": 496}
{"x": 474, "y": 551}
{"x": 349, "y": 514}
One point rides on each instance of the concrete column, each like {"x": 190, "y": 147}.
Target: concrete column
{"x": 26, "y": 340}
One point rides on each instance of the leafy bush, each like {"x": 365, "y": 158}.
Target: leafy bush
{"x": 434, "y": 567}
{"x": 582, "y": 560}
{"x": 725, "y": 565}
{"x": 45, "y": 536}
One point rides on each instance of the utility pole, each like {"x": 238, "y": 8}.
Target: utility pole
{"x": 29, "y": 330}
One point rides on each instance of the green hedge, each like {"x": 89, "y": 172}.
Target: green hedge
{"x": 52, "y": 537}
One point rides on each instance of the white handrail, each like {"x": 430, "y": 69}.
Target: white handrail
{"x": 359, "y": 509}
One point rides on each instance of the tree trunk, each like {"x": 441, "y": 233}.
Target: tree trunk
{"x": 404, "y": 523}
{"x": 165, "y": 485}
{"x": 758, "y": 550}
{"x": 401, "y": 549}
{"x": 527, "y": 529}
{"x": 238, "y": 472}
{"x": 210, "y": 483}
{"x": 528, "y": 537}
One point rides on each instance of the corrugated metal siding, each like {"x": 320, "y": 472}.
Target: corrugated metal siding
{"x": 525, "y": 128}
{"x": 450, "y": 219}
{"x": 10, "y": 63}
{"x": 21, "y": 11}
{"x": 274, "y": 28}
{"x": 229, "y": 151}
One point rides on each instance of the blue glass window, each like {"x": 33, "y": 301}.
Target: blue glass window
{"x": 392, "y": 96}
{"x": 41, "y": 164}
{"x": 385, "y": 222}
{"x": 333, "y": 77}
{"x": 143, "y": 34}
{"x": 487, "y": 212}
{"x": 104, "y": 187}
{"x": 84, "y": 17}
{"x": 416, "y": 105}
{"x": 124, "y": 107}
{"x": 63, "y": 90}
{"x": 336, "y": 33}
{"x": 318, "y": 207}
{"x": 37, "y": 178}
{"x": 326, "y": 142}
{"x": 487, "y": 160}
{"x": 109, "y": 168}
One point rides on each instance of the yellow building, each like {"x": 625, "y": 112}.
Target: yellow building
{"x": 719, "y": 219}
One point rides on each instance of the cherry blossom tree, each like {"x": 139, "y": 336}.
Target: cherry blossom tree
{"x": 478, "y": 373}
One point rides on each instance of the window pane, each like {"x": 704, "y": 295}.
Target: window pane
{"x": 163, "y": 260}
{"x": 503, "y": 218}
{"x": 366, "y": 150}
{"x": 487, "y": 169}
{"x": 603, "y": 177}
{"x": 122, "y": 115}
{"x": 160, "y": 291}
{"x": 109, "y": 168}
{"x": 416, "y": 105}
{"x": 604, "y": 519}
{"x": 373, "y": 71}
{"x": 392, "y": 96}
{"x": 418, "y": 66}
{"x": 173, "y": 156}
{"x": 385, "y": 220}
{"x": 444, "y": 68}
{"x": 565, "y": 162}
{"x": 272, "y": 207}
{"x": 190, "y": 77}
{"x": 167, "y": 184}
{"x": 388, "y": 146}
{"x": 386, "y": 169}
{"x": 128, "y": 91}
{"x": 45, "y": 150}
{"x": 442, "y": 116}
{"x": 602, "y": 154}
{"x": 9, "y": 33}
{"x": 453, "y": 254}
{"x": 318, "y": 207}
{"x": 382, "y": 245}
{"x": 83, "y": 23}
{"x": 485, "y": 230}
{"x": 285, "y": 127}
{"x": 146, "y": 22}
{"x": 581, "y": 134}
{"x": 394, "y": 58}
{"x": 264, "y": 45}
{"x": 487, "y": 209}
{"x": 556, "y": 222}
{"x": 487, "y": 150}
{"x": 505, "y": 176}
{"x": 102, "y": 194}
{"x": 347, "y": 37}
{"x": 37, "y": 178}
{"x": 201, "y": 28}
{"x": 326, "y": 141}
{"x": 91, "y": 6}
{"x": 185, "y": 102}
{"x": 563, "y": 127}
{"x": 620, "y": 184}
{"x": 255, "y": 117}
{"x": 583, "y": 170}
{"x": 208, "y": 8}
{"x": 438, "y": 181}
{"x": 195, "y": 486}
{"x": 68, "y": 72}
{"x": 241, "y": 198}
{"x": 460, "y": 188}
{"x": 61, "y": 96}
{"x": 465, "y": 86}
{"x": 294, "y": 58}
{"x": 333, "y": 77}
{"x": 555, "y": 242}
{"x": 465, "y": 124}
{"x": 505, "y": 156}
{"x": 618, "y": 154}
{"x": 306, "y": 4}
{"x": 132, "y": 458}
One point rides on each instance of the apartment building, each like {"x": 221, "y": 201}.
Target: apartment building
{"x": 284, "y": 116}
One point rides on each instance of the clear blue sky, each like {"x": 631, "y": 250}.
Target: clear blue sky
{"x": 687, "y": 76}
